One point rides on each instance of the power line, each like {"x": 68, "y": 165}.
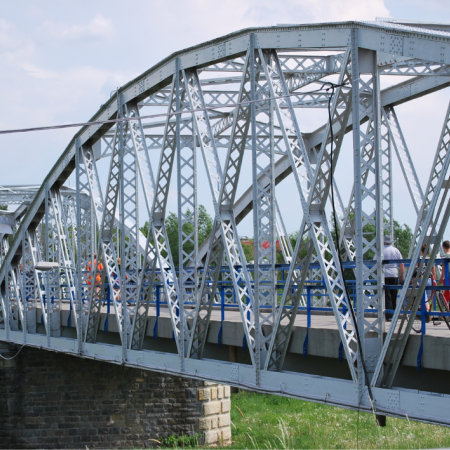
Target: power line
{"x": 154, "y": 116}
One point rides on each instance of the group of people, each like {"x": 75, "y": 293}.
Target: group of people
{"x": 96, "y": 266}
{"x": 392, "y": 276}
{"x": 394, "y": 273}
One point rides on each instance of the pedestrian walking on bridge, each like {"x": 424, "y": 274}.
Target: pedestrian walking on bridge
{"x": 391, "y": 275}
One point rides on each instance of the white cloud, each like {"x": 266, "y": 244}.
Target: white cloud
{"x": 180, "y": 24}
{"x": 6, "y": 38}
{"x": 38, "y": 89}
{"x": 316, "y": 11}
{"x": 10, "y": 36}
{"x": 51, "y": 96}
{"x": 50, "y": 73}
{"x": 37, "y": 72}
{"x": 99, "y": 28}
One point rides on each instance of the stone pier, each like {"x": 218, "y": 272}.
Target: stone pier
{"x": 52, "y": 400}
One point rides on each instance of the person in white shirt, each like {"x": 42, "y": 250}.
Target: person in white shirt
{"x": 391, "y": 274}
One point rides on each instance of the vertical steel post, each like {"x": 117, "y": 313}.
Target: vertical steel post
{"x": 391, "y": 185}
{"x": 24, "y": 288}
{"x": 368, "y": 194}
{"x": 188, "y": 97}
{"x": 264, "y": 211}
{"x": 255, "y": 206}
{"x": 7, "y": 308}
{"x": 79, "y": 297}
{"x": 373, "y": 342}
{"x": 358, "y": 211}
{"x": 46, "y": 275}
{"x": 181, "y": 281}
{"x": 122, "y": 244}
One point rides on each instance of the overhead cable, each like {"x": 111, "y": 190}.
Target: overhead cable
{"x": 153, "y": 116}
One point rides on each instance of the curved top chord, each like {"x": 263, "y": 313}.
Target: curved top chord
{"x": 216, "y": 101}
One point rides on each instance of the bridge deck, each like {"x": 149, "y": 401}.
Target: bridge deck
{"x": 323, "y": 335}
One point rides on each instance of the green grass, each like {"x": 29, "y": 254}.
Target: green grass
{"x": 183, "y": 441}
{"x": 269, "y": 421}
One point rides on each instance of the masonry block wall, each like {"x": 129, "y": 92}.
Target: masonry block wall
{"x": 52, "y": 400}
{"x": 216, "y": 411}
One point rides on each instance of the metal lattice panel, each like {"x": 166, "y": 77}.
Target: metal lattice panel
{"x": 241, "y": 93}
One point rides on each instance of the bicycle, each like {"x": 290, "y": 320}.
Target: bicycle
{"x": 443, "y": 307}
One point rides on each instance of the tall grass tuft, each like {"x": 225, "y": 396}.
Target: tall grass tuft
{"x": 269, "y": 421}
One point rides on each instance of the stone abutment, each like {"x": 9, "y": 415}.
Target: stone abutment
{"x": 53, "y": 400}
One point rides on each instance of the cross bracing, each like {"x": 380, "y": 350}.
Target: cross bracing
{"x": 222, "y": 99}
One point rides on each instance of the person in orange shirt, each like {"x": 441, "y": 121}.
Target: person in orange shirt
{"x": 98, "y": 277}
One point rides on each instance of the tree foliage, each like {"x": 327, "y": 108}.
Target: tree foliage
{"x": 403, "y": 237}
{"x": 249, "y": 250}
{"x": 204, "y": 228}
{"x": 248, "y": 246}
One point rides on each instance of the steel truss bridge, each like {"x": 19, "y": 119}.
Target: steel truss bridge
{"x": 215, "y": 101}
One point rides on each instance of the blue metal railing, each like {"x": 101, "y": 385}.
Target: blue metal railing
{"x": 313, "y": 289}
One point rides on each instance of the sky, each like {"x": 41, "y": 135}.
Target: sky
{"x": 60, "y": 60}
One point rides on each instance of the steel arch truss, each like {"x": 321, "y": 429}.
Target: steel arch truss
{"x": 231, "y": 121}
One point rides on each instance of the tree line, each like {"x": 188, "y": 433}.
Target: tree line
{"x": 402, "y": 236}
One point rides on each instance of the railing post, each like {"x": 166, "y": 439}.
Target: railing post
{"x": 308, "y": 320}
{"x": 222, "y": 315}
{"x": 108, "y": 307}
{"x": 158, "y": 310}
{"x": 423, "y": 323}
{"x": 7, "y": 307}
{"x": 341, "y": 347}
{"x": 446, "y": 271}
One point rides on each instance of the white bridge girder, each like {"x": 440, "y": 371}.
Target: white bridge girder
{"x": 236, "y": 94}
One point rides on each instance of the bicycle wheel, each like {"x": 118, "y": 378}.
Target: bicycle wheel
{"x": 442, "y": 304}
{"x": 417, "y": 324}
